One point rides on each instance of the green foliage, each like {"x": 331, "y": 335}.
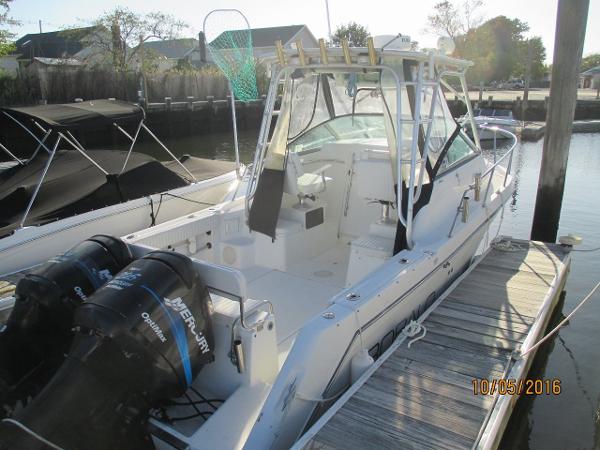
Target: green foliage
{"x": 499, "y": 50}
{"x": 5, "y": 20}
{"x": 590, "y": 61}
{"x": 356, "y": 34}
{"x": 533, "y": 47}
{"x": 6, "y": 48}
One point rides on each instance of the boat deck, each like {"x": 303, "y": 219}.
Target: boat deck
{"x": 423, "y": 396}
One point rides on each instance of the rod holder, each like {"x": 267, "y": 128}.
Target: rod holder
{"x": 239, "y": 355}
{"x": 301, "y": 55}
{"x": 464, "y": 208}
{"x": 346, "y": 50}
{"x": 323, "y": 49}
{"x": 372, "y": 53}
{"x": 280, "y": 54}
{"x": 477, "y": 187}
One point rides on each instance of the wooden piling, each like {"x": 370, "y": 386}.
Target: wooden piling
{"x": 568, "y": 46}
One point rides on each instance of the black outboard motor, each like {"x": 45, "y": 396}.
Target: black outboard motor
{"x": 38, "y": 332}
{"x": 140, "y": 339}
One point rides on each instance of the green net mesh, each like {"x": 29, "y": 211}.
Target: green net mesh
{"x": 231, "y": 51}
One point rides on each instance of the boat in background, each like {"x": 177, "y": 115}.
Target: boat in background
{"x": 59, "y": 196}
{"x": 489, "y": 119}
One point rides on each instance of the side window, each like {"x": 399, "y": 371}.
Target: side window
{"x": 458, "y": 150}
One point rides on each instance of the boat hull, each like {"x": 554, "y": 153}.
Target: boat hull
{"x": 30, "y": 246}
{"x": 392, "y": 296}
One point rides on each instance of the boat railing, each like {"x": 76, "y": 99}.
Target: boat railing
{"x": 9, "y": 153}
{"x": 489, "y": 173}
{"x": 68, "y": 137}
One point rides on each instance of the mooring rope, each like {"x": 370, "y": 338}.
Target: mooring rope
{"x": 564, "y": 321}
{"x": 506, "y": 246}
{"x": 154, "y": 215}
{"x": 412, "y": 330}
{"x": 32, "y": 433}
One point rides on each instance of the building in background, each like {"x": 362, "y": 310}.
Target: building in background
{"x": 590, "y": 78}
{"x": 263, "y": 39}
{"x": 169, "y": 54}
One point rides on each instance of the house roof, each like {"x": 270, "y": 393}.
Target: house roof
{"x": 55, "y": 44}
{"x": 266, "y": 37}
{"x": 172, "y": 49}
{"x": 592, "y": 71}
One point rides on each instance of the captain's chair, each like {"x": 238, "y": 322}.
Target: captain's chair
{"x": 304, "y": 185}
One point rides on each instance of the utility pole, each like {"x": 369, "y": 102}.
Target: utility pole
{"x": 527, "y": 78}
{"x": 328, "y": 19}
{"x": 571, "y": 22}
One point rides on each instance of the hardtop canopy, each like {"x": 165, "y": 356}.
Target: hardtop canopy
{"x": 82, "y": 115}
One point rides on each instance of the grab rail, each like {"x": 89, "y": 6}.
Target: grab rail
{"x": 489, "y": 172}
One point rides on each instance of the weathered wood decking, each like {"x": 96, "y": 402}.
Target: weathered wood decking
{"x": 422, "y": 396}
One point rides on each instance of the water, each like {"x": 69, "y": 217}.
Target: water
{"x": 570, "y": 420}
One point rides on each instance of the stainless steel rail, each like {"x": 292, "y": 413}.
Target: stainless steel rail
{"x": 489, "y": 172}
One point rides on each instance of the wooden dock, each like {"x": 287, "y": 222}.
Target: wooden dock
{"x": 422, "y": 397}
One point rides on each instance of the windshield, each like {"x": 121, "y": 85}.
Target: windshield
{"x": 321, "y": 107}
{"x": 344, "y": 128}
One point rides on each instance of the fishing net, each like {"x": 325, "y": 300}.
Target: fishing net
{"x": 229, "y": 42}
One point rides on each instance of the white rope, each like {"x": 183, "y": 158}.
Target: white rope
{"x": 32, "y": 433}
{"x": 413, "y": 329}
{"x": 564, "y": 321}
{"x": 506, "y": 246}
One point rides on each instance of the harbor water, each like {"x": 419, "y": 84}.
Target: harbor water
{"x": 570, "y": 420}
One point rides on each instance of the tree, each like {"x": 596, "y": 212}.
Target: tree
{"x": 6, "y": 48}
{"x": 533, "y": 47}
{"x": 5, "y": 20}
{"x": 499, "y": 50}
{"x": 449, "y": 19}
{"x": 120, "y": 34}
{"x": 590, "y": 61}
{"x": 356, "y": 34}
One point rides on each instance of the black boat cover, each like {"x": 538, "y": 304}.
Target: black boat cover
{"x": 73, "y": 185}
{"x": 83, "y": 115}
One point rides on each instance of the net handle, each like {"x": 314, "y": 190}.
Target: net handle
{"x": 222, "y": 10}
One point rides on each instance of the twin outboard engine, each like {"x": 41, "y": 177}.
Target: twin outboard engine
{"x": 38, "y": 332}
{"x": 140, "y": 339}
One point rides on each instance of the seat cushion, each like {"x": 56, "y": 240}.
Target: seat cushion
{"x": 312, "y": 183}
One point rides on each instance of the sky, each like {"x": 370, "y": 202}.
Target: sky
{"x": 379, "y": 16}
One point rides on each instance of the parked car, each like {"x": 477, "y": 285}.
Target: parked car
{"x": 513, "y": 83}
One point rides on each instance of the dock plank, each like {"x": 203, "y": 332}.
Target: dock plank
{"x": 422, "y": 396}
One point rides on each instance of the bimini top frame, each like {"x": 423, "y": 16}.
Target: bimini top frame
{"x": 432, "y": 67}
{"x": 62, "y": 119}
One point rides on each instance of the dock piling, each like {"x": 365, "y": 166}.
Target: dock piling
{"x": 568, "y": 46}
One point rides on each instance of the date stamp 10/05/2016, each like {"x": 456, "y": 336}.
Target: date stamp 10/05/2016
{"x": 512, "y": 386}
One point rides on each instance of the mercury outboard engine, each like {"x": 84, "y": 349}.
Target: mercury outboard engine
{"x": 140, "y": 339}
{"x": 38, "y": 332}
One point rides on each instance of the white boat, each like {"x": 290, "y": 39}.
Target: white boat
{"x": 490, "y": 120}
{"x": 58, "y": 197}
{"x": 315, "y": 271}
